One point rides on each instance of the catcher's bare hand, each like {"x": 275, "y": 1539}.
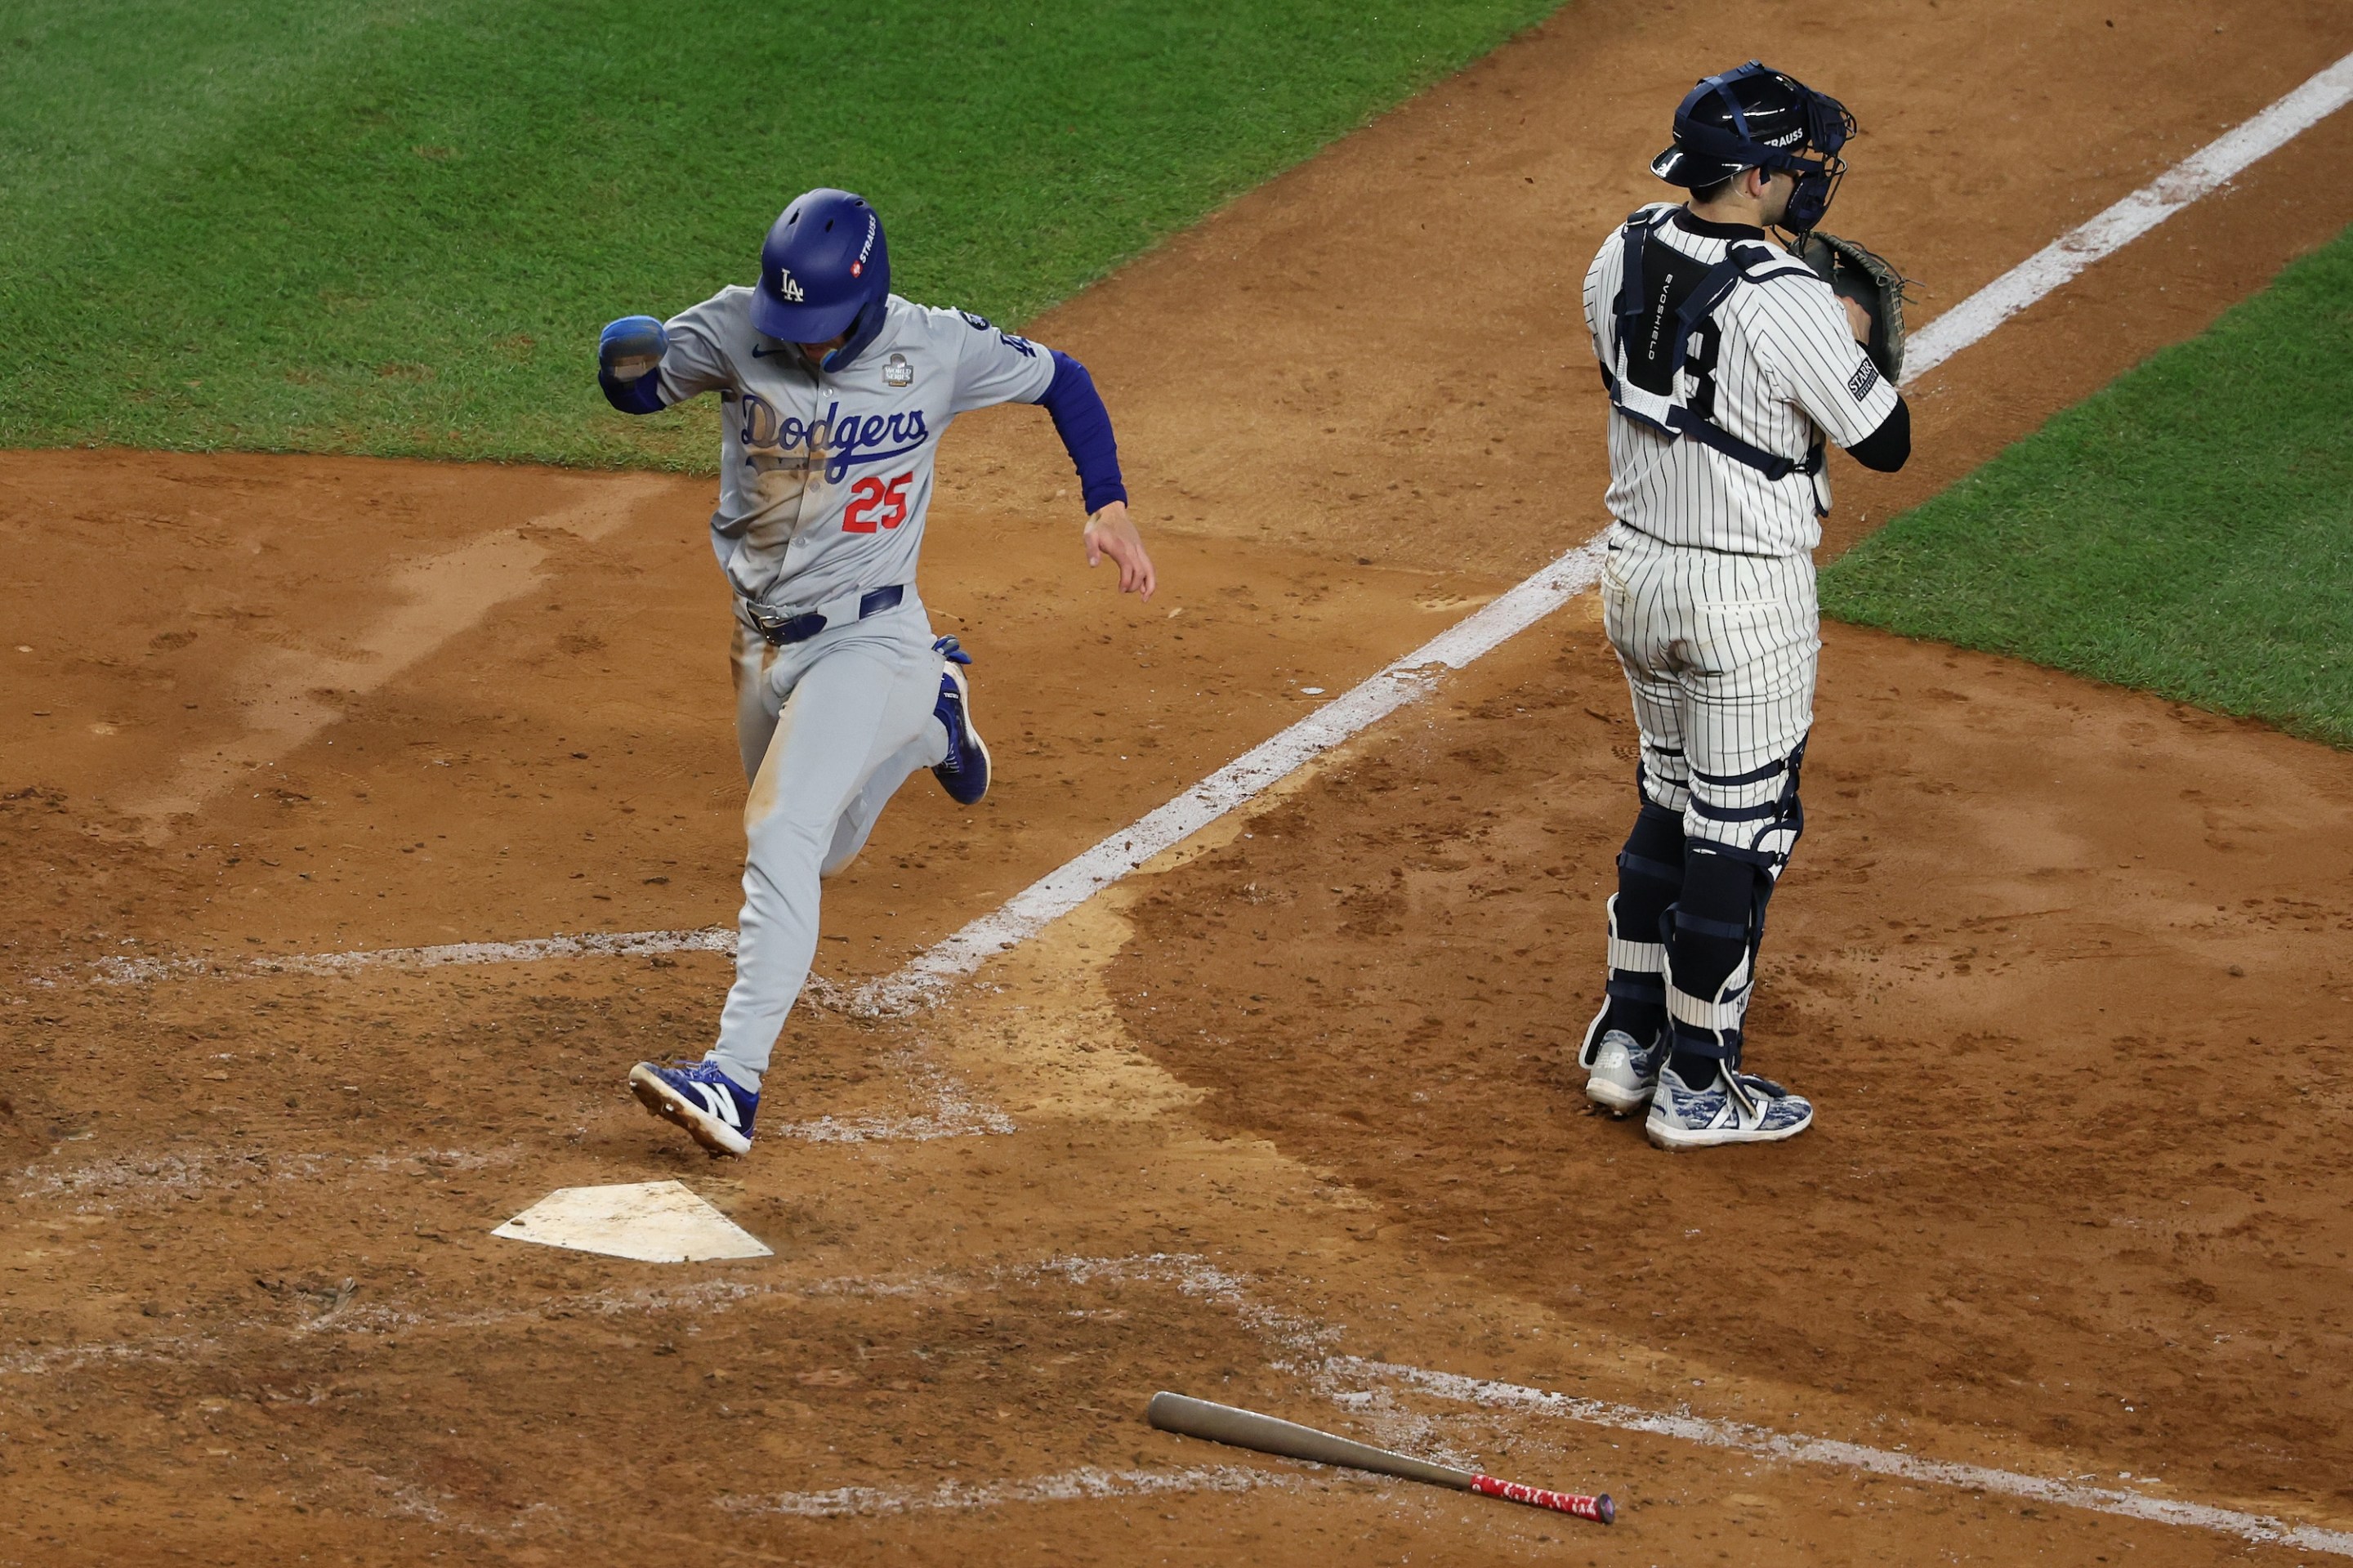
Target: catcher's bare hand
{"x": 1111, "y": 532}
{"x": 1858, "y": 319}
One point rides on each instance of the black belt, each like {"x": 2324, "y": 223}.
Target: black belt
{"x": 783, "y": 630}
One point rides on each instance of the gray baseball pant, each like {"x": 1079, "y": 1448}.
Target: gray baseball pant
{"x": 829, "y": 729}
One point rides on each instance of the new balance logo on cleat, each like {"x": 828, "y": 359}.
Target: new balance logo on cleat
{"x": 1620, "y": 1071}
{"x": 698, "y": 1099}
{"x": 719, "y": 1103}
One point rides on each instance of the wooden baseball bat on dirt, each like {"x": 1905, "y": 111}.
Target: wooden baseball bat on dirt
{"x": 1269, "y": 1434}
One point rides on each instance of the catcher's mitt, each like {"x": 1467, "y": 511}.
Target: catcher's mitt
{"x": 1865, "y": 277}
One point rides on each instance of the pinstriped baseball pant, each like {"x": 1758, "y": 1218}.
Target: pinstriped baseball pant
{"x": 1720, "y": 653}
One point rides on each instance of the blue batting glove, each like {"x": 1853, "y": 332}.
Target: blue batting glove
{"x": 630, "y": 347}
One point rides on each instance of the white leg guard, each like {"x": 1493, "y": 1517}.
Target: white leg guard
{"x": 1622, "y": 1071}
{"x": 1710, "y": 1026}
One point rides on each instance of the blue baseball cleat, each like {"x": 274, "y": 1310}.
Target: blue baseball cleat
{"x": 965, "y": 774}
{"x": 700, "y": 1098}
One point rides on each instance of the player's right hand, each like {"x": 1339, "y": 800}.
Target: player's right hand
{"x": 631, "y": 346}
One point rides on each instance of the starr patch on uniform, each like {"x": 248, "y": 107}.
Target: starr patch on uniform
{"x": 652, "y": 1222}
{"x": 898, "y": 372}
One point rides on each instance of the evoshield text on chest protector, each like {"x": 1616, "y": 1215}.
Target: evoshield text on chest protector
{"x": 1663, "y": 377}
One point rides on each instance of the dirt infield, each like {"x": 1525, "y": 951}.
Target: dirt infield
{"x": 2062, "y": 964}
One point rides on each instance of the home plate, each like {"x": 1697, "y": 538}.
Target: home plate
{"x": 653, "y": 1222}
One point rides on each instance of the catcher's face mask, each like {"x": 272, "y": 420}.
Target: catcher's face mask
{"x": 1760, "y": 118}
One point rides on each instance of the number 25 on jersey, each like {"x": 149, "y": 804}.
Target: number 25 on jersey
{"x": 872, "y": 502}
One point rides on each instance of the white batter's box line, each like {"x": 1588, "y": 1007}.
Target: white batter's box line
{"x": 1085, "y": 1484}
{"x": 410, "y": 1500}
{"x": 1798, "y": 1448}
{"x": 2203, "y": 171}
{"x": 1190, "y": 1273}
{"x": 1194, "y": 1276}
{"x": 954, "y": 1113}
{"x": 713, "y": 1296}
{"x": 150, "y": 1178}
{"x": 129, "y": 971}
{"x": 123, "y": 970}
{"x": 72, "y": 1358}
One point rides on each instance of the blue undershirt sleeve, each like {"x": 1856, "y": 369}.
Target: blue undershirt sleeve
{"x": 642, "y": 395}
{"x": 1084, "y": 425}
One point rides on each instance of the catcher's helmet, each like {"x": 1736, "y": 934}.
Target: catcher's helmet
{"x": 825, "y": 270}
{"x": 1760, "y": 118}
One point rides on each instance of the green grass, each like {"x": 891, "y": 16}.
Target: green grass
{"x": 2189, "y": 530}
{"x": 395, "y": 228}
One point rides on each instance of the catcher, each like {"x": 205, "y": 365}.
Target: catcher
{"x": 1729, "y": 362}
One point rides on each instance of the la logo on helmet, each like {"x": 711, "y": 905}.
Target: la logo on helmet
{"x": 786, "y": 288}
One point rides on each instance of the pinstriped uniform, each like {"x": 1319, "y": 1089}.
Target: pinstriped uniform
{"x": 1786, "y": 371}
{"x": 1719, "y": 651}
{"x": 1708, "y": 591}
{"x": 1730, "y": 368}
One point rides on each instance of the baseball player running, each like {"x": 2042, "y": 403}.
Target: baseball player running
{"x": 833, "y": 392}
{"x": 1729, "y": 362}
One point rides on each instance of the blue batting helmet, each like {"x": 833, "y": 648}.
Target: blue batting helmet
{"x": 825, "y": 270}
{"x": 1760, "y": 118}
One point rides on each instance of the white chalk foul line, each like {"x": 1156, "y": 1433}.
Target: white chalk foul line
{"x": 1085, "y": 1484}
{"x": 2197, "y": 175}
{"x": 928, "y": 975}
{"x": 1797, "y": 1448}
{"x": 954, "y": 1113}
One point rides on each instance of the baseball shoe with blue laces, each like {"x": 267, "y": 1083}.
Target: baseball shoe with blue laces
{"x": 1737, "y": 1107}
{"x": 700, "y": 1098}
{"x": 965, "y": 774}
{"x": 1620, "y": 1071}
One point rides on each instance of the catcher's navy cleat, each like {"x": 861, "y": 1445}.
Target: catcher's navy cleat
{"x": 965, "y": 774}
{"x": 700, "y": 1098}
{"x": 1739, "y": 1107}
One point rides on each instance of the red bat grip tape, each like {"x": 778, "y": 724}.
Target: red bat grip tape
{"x": 1600, "y": 1509}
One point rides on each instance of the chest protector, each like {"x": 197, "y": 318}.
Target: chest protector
{"x": 1662, "y": 370}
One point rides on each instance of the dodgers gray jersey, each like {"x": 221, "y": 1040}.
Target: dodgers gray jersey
{"x": 825, "y": 479}
{"x": 1785, "y": 367}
